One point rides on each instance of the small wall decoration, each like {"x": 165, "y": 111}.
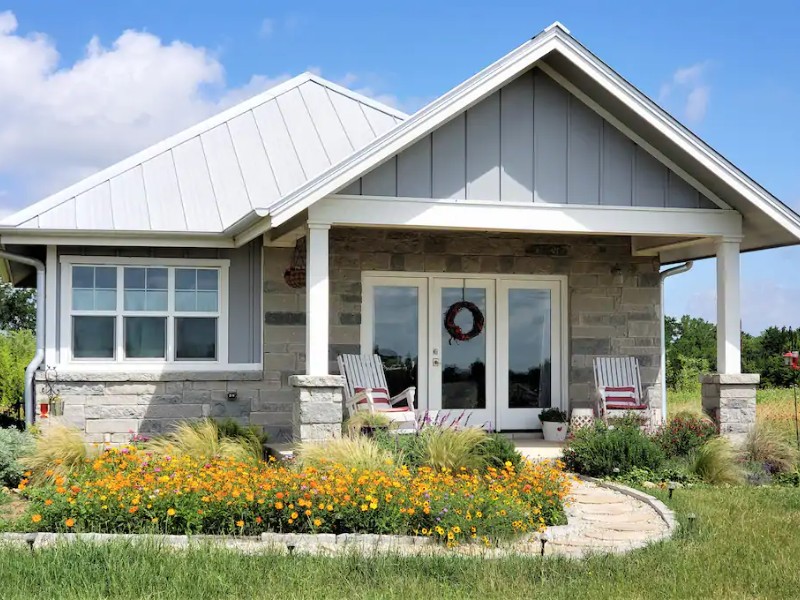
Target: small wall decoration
{"x": 458, "y": 334}
{"x": 556, "y": 250}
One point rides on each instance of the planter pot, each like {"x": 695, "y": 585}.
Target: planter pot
{"x": 553, "y": 431}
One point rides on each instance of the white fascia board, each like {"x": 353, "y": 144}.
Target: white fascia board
{"x": 421, "y": 123}
{"x": 528, "y": 217}
{"x": 685, "y": 139}
{"x": 105, "y": 238}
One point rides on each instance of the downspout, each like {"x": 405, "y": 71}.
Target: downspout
{"x": 677, "y": 270}
{"x": 39, "y": 356}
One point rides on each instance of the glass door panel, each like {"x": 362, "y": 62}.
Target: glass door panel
{"x": 462, "y": 372}
{"x": 529, "y": 350}
{"x": 394, "y": 317}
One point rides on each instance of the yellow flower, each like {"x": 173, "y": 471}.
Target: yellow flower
{"x": 317, "y": 522}
{"x": 170, "y": 512}
{"x": 154, "y": 520}
{"x": 294, "y": 515}
{"x": 279, "y": 505}
{"x": 36, "y": 518}
{"x": 240, "y": 523}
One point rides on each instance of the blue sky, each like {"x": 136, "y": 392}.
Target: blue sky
{"x": 729, "y": 70}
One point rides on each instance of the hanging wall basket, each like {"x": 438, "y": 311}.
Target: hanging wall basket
{"x": 295, "y": 275}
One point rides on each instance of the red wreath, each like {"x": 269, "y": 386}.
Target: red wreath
{"x": 456, "y": 333}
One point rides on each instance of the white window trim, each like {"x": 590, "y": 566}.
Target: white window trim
{"x": 142, "y": 364}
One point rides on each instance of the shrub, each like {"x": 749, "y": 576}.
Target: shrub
{"x": 448, "y": 448}
{"x": 13, "y": 444}
{"x": 202, "y": 439}
{"x": 57, "y": 450}
{"x": 685, "y": 432}
{"x": 770, "y": 449}
{"x": 16, "y": 351}
{"x": 497, "y": 450}
{"x": 716, "y": 462}
{"x": 223, "y": 496}
{"x": 601, "y": 451}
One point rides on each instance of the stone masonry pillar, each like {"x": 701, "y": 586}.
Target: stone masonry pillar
{"x": 317, "y": 410}
{"x": 730, "y": 400}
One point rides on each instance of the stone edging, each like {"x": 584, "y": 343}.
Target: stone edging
{"x": 666, "y": 513}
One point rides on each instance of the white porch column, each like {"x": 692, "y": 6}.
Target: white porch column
{"x": 729, "y": 352}
{"x": 317, "y": 294}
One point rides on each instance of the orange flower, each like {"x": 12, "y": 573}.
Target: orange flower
{"x": 48, "y": 502}
{"x": 70, "y": 522}
{"x": 36, "y": 518}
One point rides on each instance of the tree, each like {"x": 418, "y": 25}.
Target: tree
{"x": 17, "y": 308}
{"x": 691, "y": 347}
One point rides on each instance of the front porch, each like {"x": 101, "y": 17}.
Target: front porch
{"x": 552, "y": 301}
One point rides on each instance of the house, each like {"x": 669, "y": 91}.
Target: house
{"x": 546, "y": 191}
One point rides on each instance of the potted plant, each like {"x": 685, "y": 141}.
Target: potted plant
{"x": 367, "y": 423}
{"x": 554, "y": 424}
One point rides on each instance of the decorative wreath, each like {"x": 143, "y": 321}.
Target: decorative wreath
{"x": 458, "y": 334}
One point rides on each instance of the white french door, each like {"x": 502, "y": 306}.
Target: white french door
{"x": 501, "y": 378}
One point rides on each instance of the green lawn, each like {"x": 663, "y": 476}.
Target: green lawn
{"x": 773, "y": 406}
{"x": 744, "y": 544}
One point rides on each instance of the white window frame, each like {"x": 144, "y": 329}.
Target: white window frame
{"x": 137, "y": 364}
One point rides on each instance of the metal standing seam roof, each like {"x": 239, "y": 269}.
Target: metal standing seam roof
{"x": 213, "y": 175}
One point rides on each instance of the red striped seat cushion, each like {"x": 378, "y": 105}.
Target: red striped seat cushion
{"x": 381, "y": 399}
{"x": 622, "y": 398}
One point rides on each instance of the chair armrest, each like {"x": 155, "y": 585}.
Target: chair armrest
{"x": 352, "y": 403}
{"x": 407, "y": 395}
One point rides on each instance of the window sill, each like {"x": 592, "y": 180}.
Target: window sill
{"x": 125, "y": 372}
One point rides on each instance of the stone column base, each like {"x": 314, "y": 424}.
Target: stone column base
{"x": 730, "y": 400}
{"x": 317, "y": 410}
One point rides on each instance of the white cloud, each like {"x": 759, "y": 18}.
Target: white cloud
{"x": 59, "y": 123}
{"x": 688, "y": 87}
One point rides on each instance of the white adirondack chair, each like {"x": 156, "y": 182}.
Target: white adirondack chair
{"x": 619, "y": 388}
{"x": 365, "y": 388}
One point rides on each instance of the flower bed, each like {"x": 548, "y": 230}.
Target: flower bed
{"x": 130, "y": 491}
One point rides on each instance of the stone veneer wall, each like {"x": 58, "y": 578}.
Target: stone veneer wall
{"x": 111, "y": 407}
{"x": 614, "y": 298}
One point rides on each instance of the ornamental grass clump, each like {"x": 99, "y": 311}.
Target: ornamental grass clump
{"x": 57, "y": 450}
{"x": 770, "y": 449}
{"x": 202, "y": 439}
{"x": 133, "y": 491}
{"x": 450, "y": 448}
{"x": 352, "y": 451}
{"x": 717, "y": 462}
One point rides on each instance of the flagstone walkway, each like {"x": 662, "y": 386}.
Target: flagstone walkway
{"x": 603, "y": 520}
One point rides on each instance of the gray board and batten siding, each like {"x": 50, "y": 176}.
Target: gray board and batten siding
{"x": 244, "y": 288}
{"x": 531, "y": 141}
